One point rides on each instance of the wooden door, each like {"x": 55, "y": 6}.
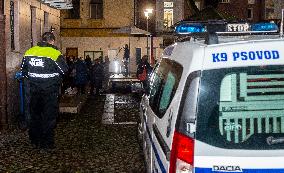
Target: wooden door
{"x": 72, "y": 51}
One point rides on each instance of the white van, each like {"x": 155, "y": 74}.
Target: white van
{"x": 217, "y": 105}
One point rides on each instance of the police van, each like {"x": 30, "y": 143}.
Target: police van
{"x": 215, "y": 101}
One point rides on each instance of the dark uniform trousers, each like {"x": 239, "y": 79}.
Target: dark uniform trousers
{"x": 43, "y": 112}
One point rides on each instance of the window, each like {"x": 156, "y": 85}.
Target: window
{"x": 96, "y": 9}
{"x": 168, "y": 14}
{"x": 33, "y": 25}
{"x": 251, "y": 1}
{"x": 74, "y": 13}
{"x": 250, "y": 13}
{"x": 93, "y": 54}
{"x": 12, "y": 24}
{"x": 242, "y": 108}
{"x": 198, "y": 5}
{"x": 163, "y": 84}
{"x": 168, "y": 4}
{"x": 45, "y": 22}
{"x": 187, "y": 110}
{"x": 224, "y": 1}
{"x": 138, "y": 55}
{"x": 168, "y": 17}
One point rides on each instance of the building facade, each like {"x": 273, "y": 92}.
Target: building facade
{"x": 273, "y": 9}
{"x": 102, "y": 28}
{"x": 22, "y": 23}
{"x": 253, "y": 10}
{"x": 168, "y": 13}
{"x": 246, "y": 10}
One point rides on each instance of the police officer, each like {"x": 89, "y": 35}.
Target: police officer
{"x": 43, "y": 66}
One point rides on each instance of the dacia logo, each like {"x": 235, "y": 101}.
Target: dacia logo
{"x": 36, "y": 62}
{"x": 222, "y": 168}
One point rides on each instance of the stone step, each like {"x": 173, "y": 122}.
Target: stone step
{"x": 71, "y": 103}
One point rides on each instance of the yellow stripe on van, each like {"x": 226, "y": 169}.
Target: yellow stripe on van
{"x": 43, "y": 52}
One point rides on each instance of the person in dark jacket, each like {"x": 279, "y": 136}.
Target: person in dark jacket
{"x": 143, "y": 71}
{"x": 81, "y": 75}
{"x": 97, "y": 77}
{"x": 88, "y": 62}
{"x": 126, "y": 56}
{"x": 43, "y": 66}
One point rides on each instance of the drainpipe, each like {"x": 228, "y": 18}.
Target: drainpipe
{"x": 3, "y": 75}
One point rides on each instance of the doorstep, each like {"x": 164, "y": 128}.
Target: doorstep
{"x": 72, "y": 103}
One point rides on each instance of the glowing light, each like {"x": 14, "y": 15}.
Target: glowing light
{"x": 116, "y": 67}
{"x": 189, "y": 28}
{"x": 264, "y": 27}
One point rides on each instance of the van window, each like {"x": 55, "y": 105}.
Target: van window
{"x": 242, "y": 107}
{"x": 187, "y": 111}
{"x": 167, "y": 91}
{"x": 163, "y": 84}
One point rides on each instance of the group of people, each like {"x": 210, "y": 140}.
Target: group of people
{"x": 44, "y": 68}
{"x": 83, "y": 72}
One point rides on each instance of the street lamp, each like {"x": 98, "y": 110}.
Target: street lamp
{"x": 147, "y": 13}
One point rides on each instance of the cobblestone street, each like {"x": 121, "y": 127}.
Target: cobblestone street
{"x": 83, "y": 143}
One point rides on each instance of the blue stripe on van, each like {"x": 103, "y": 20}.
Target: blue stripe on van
{"x": 155, "y": 149}
{"x": 209, "y": 170}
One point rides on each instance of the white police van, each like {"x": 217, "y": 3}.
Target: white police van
{"x": 216, "y": 104}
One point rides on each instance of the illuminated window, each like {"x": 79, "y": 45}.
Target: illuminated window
{"x": 198, "y": 5}
{"x": 168, "y": 4}
{"x": 96, "y": 9}
{"x": 168, "y": 14}
{"x": 224, "y": 1}
{"x": 168, "y": 17}
{"x": 251, "y": 1}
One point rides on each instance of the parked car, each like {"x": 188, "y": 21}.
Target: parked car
{"x": 216, "y": 103}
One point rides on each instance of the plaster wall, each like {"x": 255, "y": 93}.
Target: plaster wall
{"x": 116, "y": 13}
{"x": 112, "y": 43}
{"x": 22, "y": 38}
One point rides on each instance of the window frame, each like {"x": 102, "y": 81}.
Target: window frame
{"x": 162, "y": 73}
{"x": 168, "y": 23}
{"x": 93, "y": 53}
{"x": 251, "y": 2}
{"x": 251, "y": 13}
{"x": 183, "y": 122}
{"x": 208, "y": 109}
{"x": 225, "y": 1}
{"x": 99, "y": 5}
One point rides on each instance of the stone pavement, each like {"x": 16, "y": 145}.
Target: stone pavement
{"x": 83, "y": 143}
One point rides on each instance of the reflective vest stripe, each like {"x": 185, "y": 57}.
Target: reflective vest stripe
{"x": 59, "y": 68}
{"x": 44, "y": 76}
{"x": 48, "y": 52}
